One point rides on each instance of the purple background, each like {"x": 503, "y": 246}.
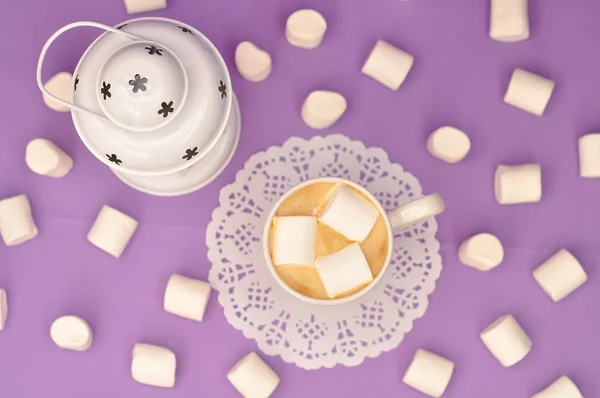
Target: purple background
{"x": 459, "y": 78}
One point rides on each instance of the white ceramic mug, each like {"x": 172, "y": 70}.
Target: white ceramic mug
{"x": 396, "y": 220}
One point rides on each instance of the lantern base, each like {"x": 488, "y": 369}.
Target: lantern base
{"x": 201, "y": 173}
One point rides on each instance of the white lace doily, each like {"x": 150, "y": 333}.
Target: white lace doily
{"x": 317, "y": 336}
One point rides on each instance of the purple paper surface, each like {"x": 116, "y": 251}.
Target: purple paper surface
{"x": 458, "y": 78}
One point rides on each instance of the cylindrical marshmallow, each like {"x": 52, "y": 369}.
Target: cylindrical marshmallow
{"x": 253, "y": 63}
{"x": 429, "y": 373}
{"x": 321, "y": 109}
{"x": 135, "y": 6}
{"x": 112, "y": 230}
{"x": 16, "y": 222}
{"x": 344, "y": 270}
{"x": 481, "y": 251}
{"x": 253, "y": 378}
{"x": 388, "y": 65}
{"x": 506, "y": 340}
{"x": 560, "y": 275}
{"x": 305, "y": 28}
{"x": 186, "y": 297}
{"x": 563, "y": 387}
{"x": 589, "y": 156}
{"x": 416, "y": 211}
{"x": 529, "y": 92}
{"x": 45, "y": 158}
{"x": 509, "y": 20}
{"x": 61, "y": 86}
{"x": 294, "y": 240}
{"x": 518, "y": 184}
{"x": 72, "y": 333}
{"x": 153, "y": 365}
{"x": 3, "y": 308}
{"x": 449, "y": 144}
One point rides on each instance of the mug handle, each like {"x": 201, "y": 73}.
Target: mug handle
{"x": 52, "y": 39}
{"x": 416, "y": 211}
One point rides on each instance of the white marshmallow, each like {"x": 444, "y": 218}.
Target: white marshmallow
{"x": 506, "y": 340}
{"x": 529, "y": 92}
{"x": 449, "y": 144}
{"x": 509, "y": 21}
{"x": 16, "y": 222}
{"x": 253, "y": 63}
{"x": 482, "y": 251}
{"x": 518, "y": 184}
{"x": 388, "y": 65}
{"x": 45, "y": 158}
{"x": 186, "y": 297}
{"x": 563, "y": 387}
{"x": 305, "y": 28}
{"x": 429, "y": 373}
{"x": 3, "y": 308}
{"x": 253, "y": 378}
{"x": 589, "y": 156}
{"x": 112, "y": 230}
{"x": 560, "y": 275}
{"x": 72, "y": 333}
{"x": 344, "y": 270}
{"x": 349, "y": 213}
{"x": 153, "y": 365}
{"x": 294, "y": 240}
{"x": 321, "y": 109}
{"x": 61, "y": 86}
{"x": 135, "y": 6}
{"x": 416, "y": 211}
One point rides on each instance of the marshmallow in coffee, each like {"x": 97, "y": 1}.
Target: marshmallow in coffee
{"x": 295, "y": 240}
{"x": 343, "y": 271}
{"x": 349, "y": 214}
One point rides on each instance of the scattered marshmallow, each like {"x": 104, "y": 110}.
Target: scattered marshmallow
{"x": 135, "y": 6}
{"x": 589, "y": 156}
{"x": 509, "y": 20}
{"x": 482, "y": 251}
{"x": 186, "y": 297}
{"x": 563, "y": 387}
{"x": 3, "y": 308}
{"x": 60, "y": 85}
{"x": 321, "y": 109}
{"x": 253, "y": 63}
{"x": 388, "y": 65}
{"x": 45, "y": 158}
{"x": 153, "y": 365}
{"x": 560, "y": 275}
{"x": 72, "y": 333}
{"x": 518, "y": 184}
{"x": 344, "y": 270}
{"x": 416, "y": 211}
{"x": 449, "y": 144}
{"x": 529, "y": 92}
{"x": 112, "y": 230}
{"x": 295, "y": 240}
{"x": 16, "y": 222}
{"x": 305, "y": 28}
{"x": 253, "y": 378}
{"x": 350, "y": 214}
{"x": 429, "y": 373}
{"x": 506, "y": 340}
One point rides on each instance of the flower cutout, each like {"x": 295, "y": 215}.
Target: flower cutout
{"x": 190, "y": 153}
{"x": 113, "y": 158}
{"x": 154, "y": 50}
{"x": 105, "y": 90}
{"x": 166, "y": 108}
{"x": 122, "y": 26}
{"x": 186, "y": 30}
{"x": 138, "y": 83}
{"x": 223, "y": 89}
{"x": 76, "y": 83}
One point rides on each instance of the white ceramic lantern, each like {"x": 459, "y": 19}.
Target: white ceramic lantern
{"x": 152, "y": 99}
